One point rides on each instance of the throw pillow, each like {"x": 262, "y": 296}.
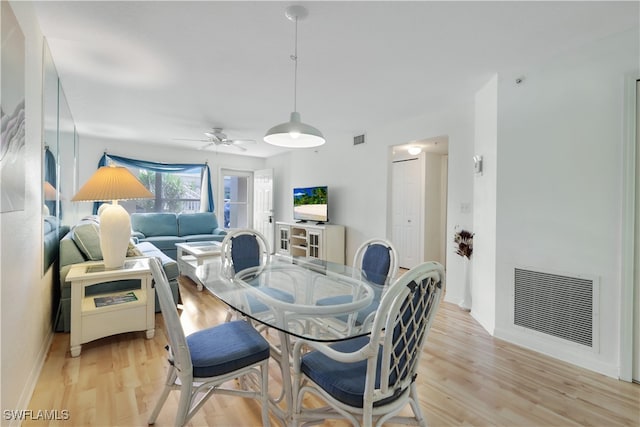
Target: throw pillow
{"x": 87, "y": 237}
{"x": 132, "y": 250}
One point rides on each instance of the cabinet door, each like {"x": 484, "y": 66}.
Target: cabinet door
{"x": 314, "y": 244}
{"x": 283, "y": 239}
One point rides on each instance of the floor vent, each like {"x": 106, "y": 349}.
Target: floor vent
{"x": 556, "y": 305}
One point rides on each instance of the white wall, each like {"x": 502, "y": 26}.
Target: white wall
{"x": 433, "y": 238}
{"x": 559, "y": 206}
{"x": 357, "y": 177}
{"x": 483, "y": 259}
{"x": 26, "y": 294}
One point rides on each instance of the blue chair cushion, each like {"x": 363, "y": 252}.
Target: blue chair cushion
{"x": 226, "y": 348}
{"x": 245, "y": 252}
{"x": 376, "y": 263}
{"x": 344, "y": 381}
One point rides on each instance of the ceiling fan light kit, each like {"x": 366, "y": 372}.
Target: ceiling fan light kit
{"x": 294, "y": 133}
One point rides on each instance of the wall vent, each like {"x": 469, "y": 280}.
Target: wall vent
{"x": 358, "y": 139}
{"x": 556, "y": 305}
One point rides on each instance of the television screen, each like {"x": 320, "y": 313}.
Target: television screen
{"x": 310, "y": 204}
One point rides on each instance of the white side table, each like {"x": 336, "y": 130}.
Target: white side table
{"x": 90, "y": 321}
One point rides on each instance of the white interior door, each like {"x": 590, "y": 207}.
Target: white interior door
{"x": 406, "y": 201}
{"x": 263, "y": 204}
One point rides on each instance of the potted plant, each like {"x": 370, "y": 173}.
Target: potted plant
{"x": 464, "y": 241}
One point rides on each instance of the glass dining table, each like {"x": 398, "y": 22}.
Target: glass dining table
{"x": 298, "y": 298}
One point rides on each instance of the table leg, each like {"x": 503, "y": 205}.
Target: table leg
{"x": 77, "y": 292}
{"x": 283, "y": 413}
{"x": 75, "y": 350}
{"x": 199, "y": 262}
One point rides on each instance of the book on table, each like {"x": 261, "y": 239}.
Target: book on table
{"x": 115, "y": 299}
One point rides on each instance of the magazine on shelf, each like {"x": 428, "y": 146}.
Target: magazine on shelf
{"x": 115, "y": 299}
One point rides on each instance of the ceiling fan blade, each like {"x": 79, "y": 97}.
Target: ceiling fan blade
{"x": 188, "y": 139}
{"x": 243, "y": 141}
{"x": 204, "y": 147}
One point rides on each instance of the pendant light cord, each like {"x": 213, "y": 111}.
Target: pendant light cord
{"x": 294, "y": 57}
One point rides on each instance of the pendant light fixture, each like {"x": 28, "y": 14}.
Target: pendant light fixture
{"x": 294, "y": 133}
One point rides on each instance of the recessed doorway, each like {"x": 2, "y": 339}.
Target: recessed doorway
{"x": 418, "y": 200}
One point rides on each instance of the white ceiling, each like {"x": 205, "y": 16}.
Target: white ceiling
{"x": 152, "y": 71}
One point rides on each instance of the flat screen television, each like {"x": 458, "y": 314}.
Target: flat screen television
{"x": 310, "y": 204}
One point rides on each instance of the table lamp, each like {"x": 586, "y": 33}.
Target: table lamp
{"x": 50, "y": 195}
{"x": 113, "y": 183}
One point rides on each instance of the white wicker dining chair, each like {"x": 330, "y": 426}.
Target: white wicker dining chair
{"x": 242, "y": 249}
{"x": 201, "y": 362}
{"x": 372, "y": 378}
{"x": 377, "y": 260}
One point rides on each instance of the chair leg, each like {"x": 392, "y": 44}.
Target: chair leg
{"x": 416, "y": 407}
{"x": 264, "y": 370}
{"x": 171, "y": 378}
{"x": 184, "y": 404}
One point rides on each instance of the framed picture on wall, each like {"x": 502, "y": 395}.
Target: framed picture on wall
{"x": 12, "y": 87}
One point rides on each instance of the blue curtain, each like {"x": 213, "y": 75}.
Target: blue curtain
{"x": 159, "y": 167}
{"x": 50, "y": 177}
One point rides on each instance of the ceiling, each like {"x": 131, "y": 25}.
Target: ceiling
{"x": 153, "y": 71}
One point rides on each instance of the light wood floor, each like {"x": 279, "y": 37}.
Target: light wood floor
{"x": 466, "y": 378}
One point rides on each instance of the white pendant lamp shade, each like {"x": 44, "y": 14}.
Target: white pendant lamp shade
{"x": 294, "y": 133}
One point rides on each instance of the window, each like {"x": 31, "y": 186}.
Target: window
{"x": 236, "y": 193}
{"x": 174, "y": 191}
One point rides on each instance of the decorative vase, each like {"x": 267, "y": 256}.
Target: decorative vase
{"x": 465, "y": 304}
{"x": 115, "y": 232}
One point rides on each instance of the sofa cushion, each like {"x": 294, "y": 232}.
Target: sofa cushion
{"x": 86, "y": 236}
{"x": 164, "y": 242}
{"x": 155, "y": 224}
{"x": 169, "y": 265}
{"x": 196, "y": 223}
{"x": 204, "y": 238}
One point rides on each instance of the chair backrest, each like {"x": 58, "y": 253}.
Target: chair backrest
{"x": 400, "y": 327}
{"x": 242, "y": 249}
{"x": 179, "y": 350}
{"x": 378, "y": 260}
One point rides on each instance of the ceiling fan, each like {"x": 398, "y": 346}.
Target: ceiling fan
{"x": 216, "y": 137}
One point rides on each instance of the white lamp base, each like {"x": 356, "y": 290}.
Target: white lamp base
{"x": 115, "y": 232}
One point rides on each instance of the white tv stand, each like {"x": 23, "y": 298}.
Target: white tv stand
{"x": 307, "y": 239}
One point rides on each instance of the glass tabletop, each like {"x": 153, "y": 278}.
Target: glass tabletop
{"x": 304, "y": 298}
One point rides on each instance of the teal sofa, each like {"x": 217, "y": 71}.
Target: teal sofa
{"x": 164, "y": 230}
{"x": 82, "y": 244}
{"x": 53, "y": 231}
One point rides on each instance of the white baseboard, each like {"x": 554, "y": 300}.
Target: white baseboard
{"x": 551, "y": 348}
{"x": 32, "y": 381}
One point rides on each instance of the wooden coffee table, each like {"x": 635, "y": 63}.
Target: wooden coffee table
{"x": 193, "y": 254}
